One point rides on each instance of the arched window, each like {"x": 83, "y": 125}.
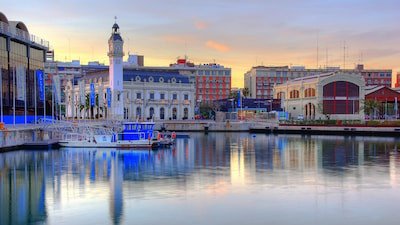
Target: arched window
{"x": 341, "y": 97}
{"x": 294, "y": 94}
{"x": 174, "y": 113}
{"x": 185, "y": 113}
{"x": 162, "y": 113}
{"x": 309, "y": 92}
{"x": 280, "y": 95}
{"x": 138, "y": 113}
{"x": 151, "y": 112}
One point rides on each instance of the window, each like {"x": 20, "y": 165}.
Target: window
{"x": 174, "y": 96}
{"x": 294, "y": 94}
{"x": 138, "y": 95}
{"x": 162, "y": 113}
{"x": 151, "y": 112}
{"x": 138, "y": 113}
{"x": 185, "y": 113}
{"x": 309, "y": 92}
{"x": 280, "y": 95}
{"x": 151, "y": 96}
{"x": 341, "y": 97}
{"x": 186, "y": 97}
{"x": 162, "y": 96}
{"x": 174, "y": 113}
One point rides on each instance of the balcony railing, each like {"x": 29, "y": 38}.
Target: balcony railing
{"x": 22, "y": 35}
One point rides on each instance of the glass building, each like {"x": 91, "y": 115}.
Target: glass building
{"x": 22, "y": 57}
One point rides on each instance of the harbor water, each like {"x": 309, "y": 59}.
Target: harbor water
{"x": 216, "y": 178}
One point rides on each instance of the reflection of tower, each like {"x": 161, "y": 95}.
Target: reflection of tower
{"x": 116, "y": 54}
{"x": 116, "y": 202}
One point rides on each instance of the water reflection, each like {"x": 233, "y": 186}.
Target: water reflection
{"x": 109, "y": 186}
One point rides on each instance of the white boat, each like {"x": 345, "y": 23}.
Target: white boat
{"x": 133, "y": 135}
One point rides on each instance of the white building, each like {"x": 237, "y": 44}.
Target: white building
{"x": 338, "y": 96}
{"x": 130, "y": 93}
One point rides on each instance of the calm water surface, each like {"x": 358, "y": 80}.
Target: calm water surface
{"x": 220, "y": 178}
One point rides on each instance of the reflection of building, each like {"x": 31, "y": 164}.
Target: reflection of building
{"x": 116, "y": 191}
{"x": 326, "y": 96}
{"x": 260, "y": 80}
{"x": 22, "y": 190}
{"x": 21, "y": 58}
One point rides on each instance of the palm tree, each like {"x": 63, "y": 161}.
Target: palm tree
{"x": 246, "y": 92}
{"x": 371, "y": 107}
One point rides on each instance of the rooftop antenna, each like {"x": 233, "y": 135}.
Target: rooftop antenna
{"x": 344, "y": 55}
{"x": 317, "y": 50}
{"x": 326, "y": 58}
{"x": 69, "y": 48}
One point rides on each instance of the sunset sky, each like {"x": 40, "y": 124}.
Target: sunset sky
{"x": 235, "y": 33}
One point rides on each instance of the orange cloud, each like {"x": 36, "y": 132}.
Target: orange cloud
{"x": 217, "y": 46}
{"x": 200, "y": 25}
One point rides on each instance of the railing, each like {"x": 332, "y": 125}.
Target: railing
{"x": 22, "y": 35}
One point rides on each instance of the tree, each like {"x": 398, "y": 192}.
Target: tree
{"x": 246, "y": 92}
{"x": 371, "y": 107}
{"x": 320, "y": 108}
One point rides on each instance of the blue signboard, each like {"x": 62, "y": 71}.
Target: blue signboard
{"x": 40, "y": 82}
{"x": 239, "y": 101}
{"x": 108, "y": 97}
{"x": 92, "y": 95}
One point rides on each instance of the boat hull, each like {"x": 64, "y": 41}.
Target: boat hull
{"x": 120, "y": 144}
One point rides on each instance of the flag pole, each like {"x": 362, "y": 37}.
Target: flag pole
{"x": 35, "y": 95}
{"x": 14, "y": 71}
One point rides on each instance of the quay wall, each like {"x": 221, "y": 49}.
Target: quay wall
{"x": 13, "y": 138}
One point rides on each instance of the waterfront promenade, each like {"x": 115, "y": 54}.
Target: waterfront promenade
{"x": 42, "y": 135}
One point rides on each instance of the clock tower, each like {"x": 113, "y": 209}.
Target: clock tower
{"x": 116, "y": 54}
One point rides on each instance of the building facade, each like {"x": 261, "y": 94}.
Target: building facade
{"x": 212, "y": 80}
{"x": 386, "y": 102}
{"x": 144, "y": 93}
{"x": 397, "y": 84}
{"x": 326, "y": 96}
{"x": 22, "y": 57}
{"x": 261, "y": 80}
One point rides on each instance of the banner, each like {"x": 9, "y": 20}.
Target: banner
{"x": 101, "y": 95}
{"x": 82, "y": 96}
{"x": 21, "y": 83}
{"x": 108, "y": 97}
{"x": 40, "y": 84}
{"x": 57, "y": 88}
{"x": 92, "y": 95}
{"x": 239, "y": 100}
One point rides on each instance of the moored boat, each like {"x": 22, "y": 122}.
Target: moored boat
{"x": 133, "y": 135}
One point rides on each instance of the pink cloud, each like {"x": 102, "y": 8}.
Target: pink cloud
{"x": 200, "y": 25}
{"x": 217, "y": 46}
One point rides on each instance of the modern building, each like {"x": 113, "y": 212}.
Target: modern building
{"x": 22, "y": 57}
{"x": 334, "y": 95}
{"x": 130, "y": 92}
{"x": 212, "y": 80}
{"x": 260, "y": 80}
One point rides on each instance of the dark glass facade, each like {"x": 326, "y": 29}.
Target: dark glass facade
{"x": 341, "y": 97}
{"x": 17, "y": 55}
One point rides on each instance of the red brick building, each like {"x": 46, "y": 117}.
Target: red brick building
{"x": 213, "y": 81}
{"x": 397, "y": 84}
